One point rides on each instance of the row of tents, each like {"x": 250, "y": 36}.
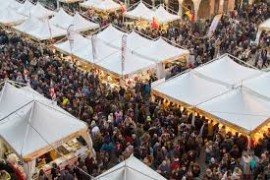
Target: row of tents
{"x": 234, "y": 95}
{"x": 108, "y": 54}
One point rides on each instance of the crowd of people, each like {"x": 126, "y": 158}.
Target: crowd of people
{"x": 124, "y": 122}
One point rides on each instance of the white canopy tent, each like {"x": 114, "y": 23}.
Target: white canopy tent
{"x": 234, "y": 94}
{"x": 132, "y": 64}
{"x": 130, "y": 169}
{"x": 26, "y": 8}
{"x": 134, "y": 40}
{"x": 61, "y": 19}
{"x": 40, "y": 30}
{"x": 110, "y": 34}
{"x": 30, "y": 125}
{"x": 190, "y": 89}
{"x": 239, "y": 107}
{"x": 82, "y": 48}
{"x": 141, "y": 12}
{"x": 259, "y": 84}
{"x": 9, "y": 4}
{"x": 101, "y": 5}
{"x": 82, "y": 24}
{"x": 10, "y": 17}
{"x": 226, "y": 70}
{"x": 164, "y": 16}
{"x": 41, "y": 12}
{"x": 160, "y": 51}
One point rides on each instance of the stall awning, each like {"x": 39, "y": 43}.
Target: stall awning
{"x": 131, "y": 65}
{"x": 190, "y": 89}
{"x": 227, "y": 71}
{"x": 9, "y": 17}
{"x": 130, "y": 169}
{"x": 30, "y": 125}
{"x": 160, "y": 51}
{"x": 239, "y": 107}
{"x": 141, "y": 12}
{"x": 40, "y": 30}
{"x": 101, "y": 5}
{"x": 164, "y": 16}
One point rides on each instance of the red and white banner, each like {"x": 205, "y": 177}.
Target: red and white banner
{"x": 52, "y": 94}
{"x": 70, "y": 36}
{"x": 124, "y": 49}
{"x": 94, "y": 49}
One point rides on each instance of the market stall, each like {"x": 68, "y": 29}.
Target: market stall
{"x": 82, "y": 49}
{"x": 223, "y": 91}
{"x": 79, "y": 23}
{"x": 30, "y": 128}
{"x": 9, "y": 17}
{"x": 13, "y": 4}
{"x": 26, "y": 8}
{"x": 145, "y": 17}
{"x": 39, "y": 11}
{"x": 40, "y": 30}
{"x": 101, "y": 5}
{"x": 61, "y": 19}
{"x": 130, "y": 169}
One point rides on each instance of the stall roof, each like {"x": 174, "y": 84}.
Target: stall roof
{"x": 134, "y": 41}
{"x": 164, "y": 16}
{"x": 160, "y": 51}
{"x": 110, "y": 34}
{"x": 9, "y": 16}
{"x": 26, "y": 8}
{"x": 190, "y": 88}
{"x": 226, "y": 70}
{"x": 29, "y": 24}
{"x": 130, "y": 169}
{"x": 132, "y": 64}
{"x": 239, "y": 107}
{"x": 10, "y": 4}
{"x": 82, "y": 24}
{"x": 259, "y": 84}
{"x": 82, "y": 48}
{"x": 28, "y": 124}
{"x": 40, "y": 30}
{"x": 101, "y": 5}
{"x": 41, "y": 12}
{"x": 141, "y": 12}
{"x": 61, "y": 19}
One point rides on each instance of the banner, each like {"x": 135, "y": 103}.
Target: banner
{"x": 214, "y": 25}
{"x": 50, "y": 29}
{"x": 58, "y": 4}
{"x": 124, "y": 49}
{"x": 94, "y": 49}
{"x": 70, "y": 36}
